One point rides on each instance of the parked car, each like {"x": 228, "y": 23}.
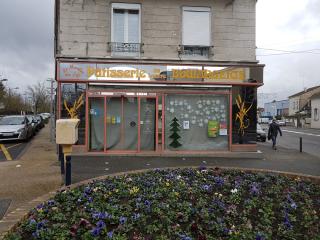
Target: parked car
{"x": 261, "y": 134}
{"x": 33, "y": 122}
{"x": 281, "y": 122}
{"x": 45, "y": 117}
{"x": 15, "y": 128}
{"x": 40, "y": 122}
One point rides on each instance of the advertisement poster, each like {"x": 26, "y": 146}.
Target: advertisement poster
{"x": 223, "y": 129}
{"x": 186, "y": 125}
{"x": 213, "y": 128}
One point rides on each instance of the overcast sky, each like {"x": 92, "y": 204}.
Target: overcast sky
{"x": 26, "y": 44}
{"x": 292, "y": 25}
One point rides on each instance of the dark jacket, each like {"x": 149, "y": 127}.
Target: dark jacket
{"x": 273, "y": 130}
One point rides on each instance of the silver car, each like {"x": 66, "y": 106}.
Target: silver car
{"x": 15, "y": 128}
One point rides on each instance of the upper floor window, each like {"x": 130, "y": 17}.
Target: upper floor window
{"x": 196, "y": 33}
{"x": 125, "y": 32}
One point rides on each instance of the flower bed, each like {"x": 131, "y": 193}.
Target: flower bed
{"x": 180, "y": 204}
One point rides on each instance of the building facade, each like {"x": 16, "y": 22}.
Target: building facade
{"x": 315, "y": 108}
{"x": 160, "y": 77}
{"x": 276, "y": 108}
{"x": 300, "y": 106}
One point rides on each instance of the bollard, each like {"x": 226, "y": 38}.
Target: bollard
{"x": 68, "y": 170}
{"x": 300, "y": 144}
{"x": 61, "y": 159}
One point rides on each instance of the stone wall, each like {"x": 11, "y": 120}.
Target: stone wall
{"x": 84, "y": 28}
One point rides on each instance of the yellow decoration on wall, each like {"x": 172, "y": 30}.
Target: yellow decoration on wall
{"x": 73, "y": 111}
{"x": 242, "y": 114}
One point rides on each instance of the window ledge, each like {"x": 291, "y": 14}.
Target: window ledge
{"x": 195, "y": 52}
{"x": 125, "y": 49}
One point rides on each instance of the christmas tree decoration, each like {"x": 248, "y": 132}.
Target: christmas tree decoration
{"x": 175, "y": 129}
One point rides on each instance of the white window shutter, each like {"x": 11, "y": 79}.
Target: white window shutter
{"x": 196, "y": 26}
{"x": 118, "y": 27}
{"x": 133, "y": 27}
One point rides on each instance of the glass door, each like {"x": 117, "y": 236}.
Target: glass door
{"x": 122, "y": 123}
{"x": 148, "y": 119}
{"x": 96, "y": 124}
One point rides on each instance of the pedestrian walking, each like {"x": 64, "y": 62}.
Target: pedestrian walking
{"x": 273, "y": 133}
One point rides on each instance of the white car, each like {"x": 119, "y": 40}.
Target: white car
{"x": 15, "y": 128}
{"x": 45, "y": 115}
{"x": 281, "y": 122}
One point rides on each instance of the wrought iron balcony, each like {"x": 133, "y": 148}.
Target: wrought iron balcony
{"x": 120, "y": 48}
{"x": 195, "y": 51}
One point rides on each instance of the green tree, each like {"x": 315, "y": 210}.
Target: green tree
{"x": 175, "y": 128}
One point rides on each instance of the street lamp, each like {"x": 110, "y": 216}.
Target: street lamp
{"x": 51, "y": 80}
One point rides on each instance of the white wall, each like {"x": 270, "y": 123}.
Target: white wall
{"x": 293, "y": 103}
{"x": 315, "y": 103}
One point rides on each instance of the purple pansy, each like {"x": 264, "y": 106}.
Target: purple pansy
{"x": 219, "y": 181}
{"x": 206, "y": 187}
{"x": 122, "y": 220}
{"x": 259, "y": 236}
{"x": 101, "y": 224}
{"x": 95, "y": 232}
{"x": 110, "y": 234}
{"x": 136, "y": 216}
{"x": 254, "y": 189}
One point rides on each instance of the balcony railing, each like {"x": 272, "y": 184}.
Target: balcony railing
{"x": 195, "y": 51}
{"x": 123, "y": 49}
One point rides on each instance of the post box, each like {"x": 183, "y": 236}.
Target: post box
{"x": 67, "y": 131}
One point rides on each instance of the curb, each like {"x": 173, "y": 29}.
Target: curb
{"x": 13, "y": 218}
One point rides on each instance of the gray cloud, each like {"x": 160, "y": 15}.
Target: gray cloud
{"x": 301, "y": 21}
{"x": 26, "y": 41}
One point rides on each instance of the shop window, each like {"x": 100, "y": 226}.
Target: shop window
{"x": 70, "y": 93}
{"x": 196, "y": 122}
{"x": 315, "y": 114}
{"x": 196, "y": 33}
{"x": 125, "y": 37}
{"x": 244, "y": 115}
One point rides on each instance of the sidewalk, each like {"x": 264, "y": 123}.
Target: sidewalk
{"x": 286, "y": 160}
{"x": 38, "y": 174}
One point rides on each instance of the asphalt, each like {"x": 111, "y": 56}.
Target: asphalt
{"x": 37, "y": 171}
{"x": 282, "y": 159}
{"x": 15, "y": 149}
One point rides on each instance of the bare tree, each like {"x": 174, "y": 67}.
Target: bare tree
{"x": 39, "y": 97}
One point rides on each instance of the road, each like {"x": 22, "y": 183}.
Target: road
{"x": 291, "y": 137}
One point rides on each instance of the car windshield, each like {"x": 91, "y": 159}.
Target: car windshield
{"x": 12, "y": 120}
{"x": 30, "y": 118}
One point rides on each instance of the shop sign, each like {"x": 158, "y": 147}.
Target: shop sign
{"x": 122, "y": 72}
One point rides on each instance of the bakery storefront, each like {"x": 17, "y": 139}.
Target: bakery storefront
{"x": 160, "y": 108}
